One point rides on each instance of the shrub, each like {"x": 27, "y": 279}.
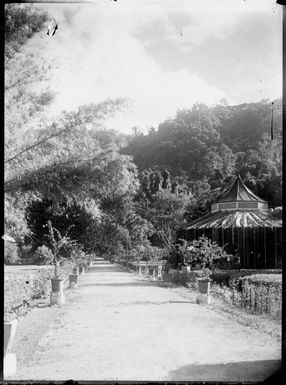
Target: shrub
{"x": 186, "y": 278}
{"x": 19, "y": 287}
{"x": 66, "y": 268}
{"x": 26, "y": 254}
{"x": 201, "y": 252}
{"x": 10, "y": 253}
{"x": 43, "y": 256}
{"x": 146, "y": 252}
{"x": 264, "y": 279}
{"x": 77, "y": 254}
{"x": 229, "y": 262}
{"x": 227, "y": 277}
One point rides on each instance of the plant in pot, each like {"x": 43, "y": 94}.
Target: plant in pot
{"x": 57, "y": 296}
{"x": 79, "y": 258}
{"x": 89, "y": 260}
{"x": 82, "y": 261}
{"x": 200, "y": 254}
{"x": 184, "y": 254}
{"x": 204, "y": 281}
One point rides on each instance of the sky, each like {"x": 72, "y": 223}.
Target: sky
{"x": 162, "y": 55}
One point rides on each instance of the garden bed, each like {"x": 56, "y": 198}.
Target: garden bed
{"x": 23, "y": 287}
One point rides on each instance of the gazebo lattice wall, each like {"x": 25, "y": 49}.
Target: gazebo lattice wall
{"x": 242, "y": 223}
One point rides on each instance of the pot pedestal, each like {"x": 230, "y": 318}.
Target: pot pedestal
{"x": 57, "y": 295}
{"x": 10, "y": 361}
{"x": 9, "y": 365}
{"x": 203, "y": 299}
{"x": 9, "y": 335}
{"x": 57, "y": 298}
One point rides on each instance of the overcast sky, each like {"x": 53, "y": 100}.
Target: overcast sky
{"x": 163, "y": 55}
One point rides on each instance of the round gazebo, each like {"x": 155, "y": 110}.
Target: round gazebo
{"x": 242, "y": 222}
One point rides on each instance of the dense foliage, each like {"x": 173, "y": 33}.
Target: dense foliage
{"x": 20, "y": 25}
{"x": 209, "y": 144}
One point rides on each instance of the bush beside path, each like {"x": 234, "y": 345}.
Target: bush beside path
{"x": 118, "y": 326}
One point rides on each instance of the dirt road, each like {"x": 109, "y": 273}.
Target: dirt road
{"x": 118, "y": 326}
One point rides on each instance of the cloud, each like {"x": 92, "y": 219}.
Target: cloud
{"x": 97, "y": 54}
{"x": 202, "y": 20}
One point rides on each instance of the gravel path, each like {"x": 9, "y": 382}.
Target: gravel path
{"x": 118, "y": 326}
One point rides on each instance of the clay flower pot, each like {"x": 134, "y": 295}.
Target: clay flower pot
{"x": 57, "y": 295}
{"x": 73, "y": 279}
{"x": 204, "y": 285}
{"x": 57, "y": 285}
{"x": 76, "y": 270}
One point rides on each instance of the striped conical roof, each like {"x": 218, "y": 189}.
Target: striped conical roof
{"x": 239, "y": 197}
{"x": 239, "y": 192}
{"x": 235, "y": 219}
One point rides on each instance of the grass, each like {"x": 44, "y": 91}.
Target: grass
{"x": 32, "y": 327}
{"x": 30, "y": 330}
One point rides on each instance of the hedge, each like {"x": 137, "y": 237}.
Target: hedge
{"x": 256, "y": 293}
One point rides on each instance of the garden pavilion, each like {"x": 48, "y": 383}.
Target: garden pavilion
{"x": 241, "y": 222}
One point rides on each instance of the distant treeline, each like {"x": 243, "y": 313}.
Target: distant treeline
{"x": 210, "y": 144}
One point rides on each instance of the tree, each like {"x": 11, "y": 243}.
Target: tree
{"x": 166, "y": 213}
{"x": 21, "y": 23}
{"x": 42, "y": 162}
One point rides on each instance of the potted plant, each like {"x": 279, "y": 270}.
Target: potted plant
{"x": 79, "y": 258}
{"x": 57, "y": 295}
{"x": 89, "y": 261}
{"x": 204, "y": 281}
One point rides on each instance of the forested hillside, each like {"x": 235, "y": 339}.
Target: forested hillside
{"x": 210, "y": 144}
